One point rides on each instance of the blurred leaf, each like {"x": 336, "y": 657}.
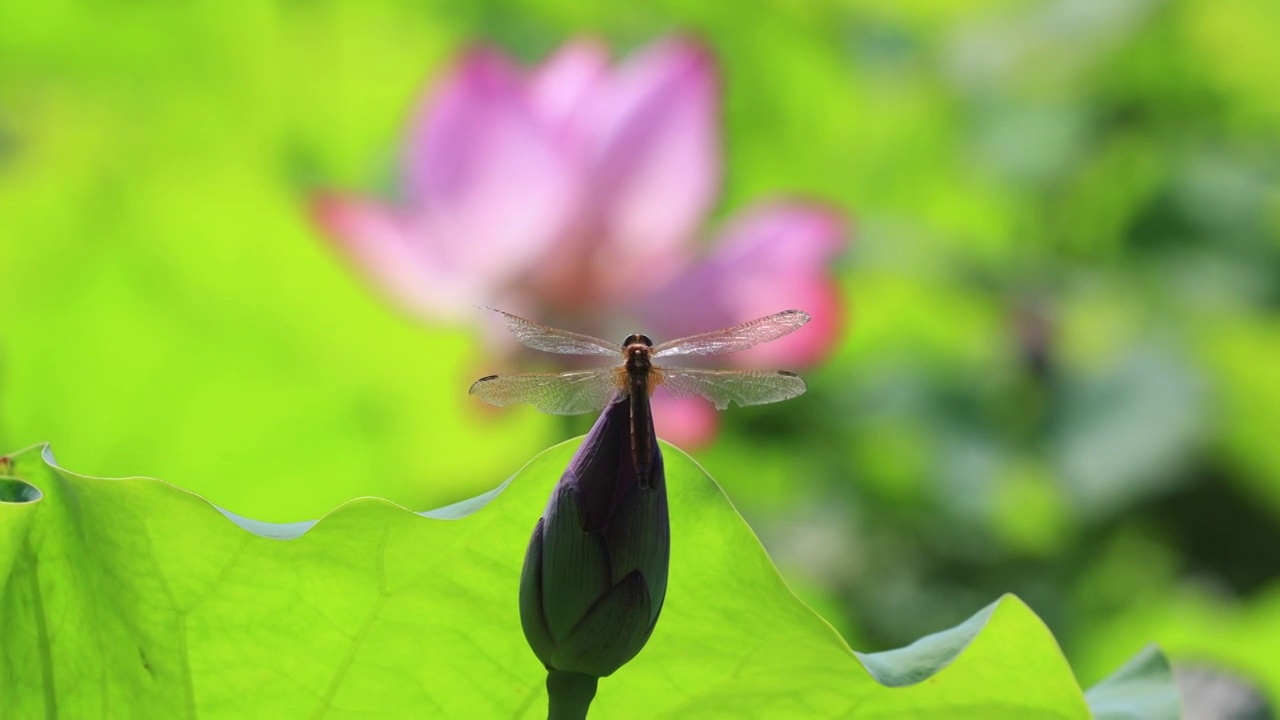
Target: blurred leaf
{"x": 1029, "y": 512}
{"x": 1234, "y": 38}
{"x": 1142, "y": 689}
{"x": 1124, "y": 433}
{"x": 1242, "y": 354}
{"x": 162, "y": 281}
{"x": 1193, "y": 626}
{"x": 140, "y": 598}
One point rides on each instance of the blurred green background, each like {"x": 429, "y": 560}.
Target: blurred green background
{"x": 1061, "y": 378}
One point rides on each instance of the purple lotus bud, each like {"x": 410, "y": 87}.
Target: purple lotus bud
{"x": 595, "y": 573}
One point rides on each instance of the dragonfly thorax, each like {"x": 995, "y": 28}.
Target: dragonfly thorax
{"x": 638, "y": 357}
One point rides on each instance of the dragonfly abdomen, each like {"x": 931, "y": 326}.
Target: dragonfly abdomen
{"x": 639, "y": 369}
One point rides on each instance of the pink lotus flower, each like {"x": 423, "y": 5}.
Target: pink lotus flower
{"x": 574, "y": 194}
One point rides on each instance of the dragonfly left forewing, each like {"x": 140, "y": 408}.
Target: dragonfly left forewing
{"x": 569, "y": 393}
{"x": 744, "y": 387}
{"x": 555, "y": 340}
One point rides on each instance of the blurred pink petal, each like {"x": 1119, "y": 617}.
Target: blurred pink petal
{"x": 574, "y": 193}
{"x": 690, "y": 423}
{"x": 494, "y": 182}
{"x": 772, "y": 258}
{"x": 562, "y": 87}
{"x": 384, "y": 246}
{"x": 657, "y": 168}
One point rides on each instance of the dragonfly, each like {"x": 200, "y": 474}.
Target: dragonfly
{"x": 636, "y": 378}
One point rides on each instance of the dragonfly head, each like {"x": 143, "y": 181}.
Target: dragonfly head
{"x": 637, "y": 339}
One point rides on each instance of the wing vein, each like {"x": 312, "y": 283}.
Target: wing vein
{"x": 736, "y": 338}
{"x": 554, "y": 340}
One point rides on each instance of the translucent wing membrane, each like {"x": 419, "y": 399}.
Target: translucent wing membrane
{"x": 563, "y": 342}
{"x": 736, "y": 338}
{"x": 568, "y": 393}
{"x": 744, "y": 387}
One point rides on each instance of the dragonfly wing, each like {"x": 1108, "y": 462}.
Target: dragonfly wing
{"x": 744, "y": 387}
{"x": 553, "y": 340}
{"x": 569, "y": 393}
{"x": 736, "y": 338}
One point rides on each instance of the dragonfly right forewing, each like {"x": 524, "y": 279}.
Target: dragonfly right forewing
{"x": 744, "y": 387}
{"x": 569, "y": 393}
{"x": 736, "y": 338}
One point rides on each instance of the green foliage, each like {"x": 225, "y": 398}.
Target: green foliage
{"x": 133, "y": 597}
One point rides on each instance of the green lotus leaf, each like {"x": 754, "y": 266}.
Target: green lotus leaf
{"x": 134, "y": 598}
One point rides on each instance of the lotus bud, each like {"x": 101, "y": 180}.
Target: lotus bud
{"x": 595, "y": 572}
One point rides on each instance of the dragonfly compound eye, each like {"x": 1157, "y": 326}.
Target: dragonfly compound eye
{"x": 637, "y": 338}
